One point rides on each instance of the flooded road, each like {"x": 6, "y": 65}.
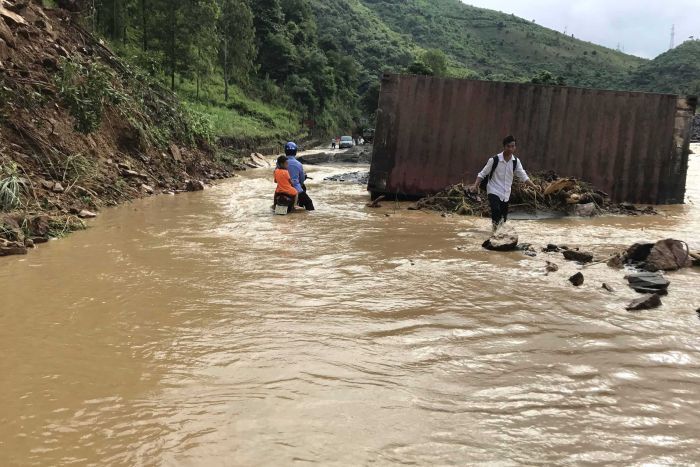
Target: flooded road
{"x": 201, "y": 330}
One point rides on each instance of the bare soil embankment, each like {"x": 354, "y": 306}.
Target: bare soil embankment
{"x": 81, "y": 130}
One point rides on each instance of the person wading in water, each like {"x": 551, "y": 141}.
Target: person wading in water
{"x": 497, "y": 176}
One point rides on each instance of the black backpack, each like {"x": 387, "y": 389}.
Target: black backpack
{"x": 485, "y": 182}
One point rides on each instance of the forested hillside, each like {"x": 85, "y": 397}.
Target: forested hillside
{"x": 676, "y": 71}
{"x": 269, "y": 69}
{"x": 501, "y": 46}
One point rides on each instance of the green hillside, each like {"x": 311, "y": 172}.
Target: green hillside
{"x": 676, "y": 71}
{"x": 263, "y": 70}
{"x": 502, "y": 46}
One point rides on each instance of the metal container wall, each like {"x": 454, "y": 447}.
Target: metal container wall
{"x": 433, "y": 132}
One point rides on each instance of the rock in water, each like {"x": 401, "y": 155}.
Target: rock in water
{"x": 645, "y": 303}
{"x": 645, "y": 282}
{"x": 195, "y": 185}
{"x": 85, "y": 214}
{"x": 668, "y": 255}
{"x": 501, "y": 242}
{"x": 580, "y": 256}
{"x": 577, "y": 279}
{"x": 608, "y": 288}
{"x": 8, "y": 248}
{"x": 638, "y": 252}
{"x": 551, "y": 267}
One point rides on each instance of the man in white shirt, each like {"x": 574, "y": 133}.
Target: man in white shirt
{"x": 500, "y": 180}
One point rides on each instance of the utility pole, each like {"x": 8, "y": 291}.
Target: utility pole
{"x": 673, "y": 37}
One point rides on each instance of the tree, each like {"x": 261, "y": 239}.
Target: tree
{"x": 418, "y": 67}
{"x": 436, "y": 60}
{"x": 237, "y": 50}
{"x": 183, "y": 31}
{"x": 545, "y": 77}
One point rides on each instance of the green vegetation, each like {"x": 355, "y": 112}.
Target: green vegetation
{"x": 85, "y": 90}
{"x": 676, "y": 71}
{"x": 499, "y": 46}
{"x": 12, "y": 187}
{"x": 259, "y": 69}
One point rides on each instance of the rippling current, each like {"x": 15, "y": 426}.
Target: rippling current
{"x": 201, "y": 330}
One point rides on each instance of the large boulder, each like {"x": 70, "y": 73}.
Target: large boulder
{"x": 580, "y": 256}
{"x": 638, "y": 252}
{"x": 668, "y": 255}
{"x": 501, "y": 242}
{"x": 648, "y": 282}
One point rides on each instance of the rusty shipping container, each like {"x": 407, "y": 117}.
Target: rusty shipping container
{"x": 433, "y": 132}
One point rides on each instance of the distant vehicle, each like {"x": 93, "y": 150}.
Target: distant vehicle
{"x": 346, "y": 142}
{"x": 368, "y": 135}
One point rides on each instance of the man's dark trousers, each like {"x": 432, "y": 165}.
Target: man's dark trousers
{"x": 304, "y": 201}
{"x": 499, "y": 210}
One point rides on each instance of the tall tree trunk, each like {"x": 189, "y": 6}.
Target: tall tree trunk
{"x": 226, "y": 71}
{"x": 173, "y": 58}
{"x": 115, "y": 23}
{"x": 144, "y": 25}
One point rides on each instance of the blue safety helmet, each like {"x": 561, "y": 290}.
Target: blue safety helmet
{"x": 290, "y": 149}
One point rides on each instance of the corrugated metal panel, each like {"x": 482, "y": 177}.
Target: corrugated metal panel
{"x": 434, "y": 132}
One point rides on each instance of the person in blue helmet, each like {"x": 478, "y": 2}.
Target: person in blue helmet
{"x": 296, "y": 172}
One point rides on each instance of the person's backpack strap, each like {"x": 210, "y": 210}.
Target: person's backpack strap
{"x": 493, "y": 168}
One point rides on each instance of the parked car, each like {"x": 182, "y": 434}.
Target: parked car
{"x": 346, "y": 142}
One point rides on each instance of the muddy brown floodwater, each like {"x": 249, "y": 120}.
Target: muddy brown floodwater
{"x": 201, "y": 330}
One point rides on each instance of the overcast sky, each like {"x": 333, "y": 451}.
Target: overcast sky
{"x": 643, "y": 27}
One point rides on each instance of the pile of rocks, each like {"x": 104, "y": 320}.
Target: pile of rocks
{"x": 361, "y": 178}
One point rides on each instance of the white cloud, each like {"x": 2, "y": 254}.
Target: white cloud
{"x": 642, "y": 27}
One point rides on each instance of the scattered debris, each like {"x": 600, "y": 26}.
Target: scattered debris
{"x": 360, "y": 178}
{"x": 565, "y": 195}
{"x": 647, "y": 302}
{"x": 501, "y": 242}
{"x": 577, "y": 279}
{"x": 375, "y": 203}
{"x": 580, "y": 256}
{"x": 616, "y": 262}
{"x": 355, "y": 155}
{"x": 648, "y": 282}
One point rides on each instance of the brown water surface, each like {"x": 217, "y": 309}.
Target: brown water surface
{"x": 201, "y": 330}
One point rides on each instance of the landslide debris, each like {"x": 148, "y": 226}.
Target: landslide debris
{"x": 556, "y": 194}
{"x": 80, "y": 129}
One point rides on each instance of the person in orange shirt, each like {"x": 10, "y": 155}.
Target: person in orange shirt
{"x": 285, "y": 193}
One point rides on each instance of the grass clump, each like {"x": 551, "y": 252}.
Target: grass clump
{"x": 85, "y": 90}
{"x": 12, "y": 187}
